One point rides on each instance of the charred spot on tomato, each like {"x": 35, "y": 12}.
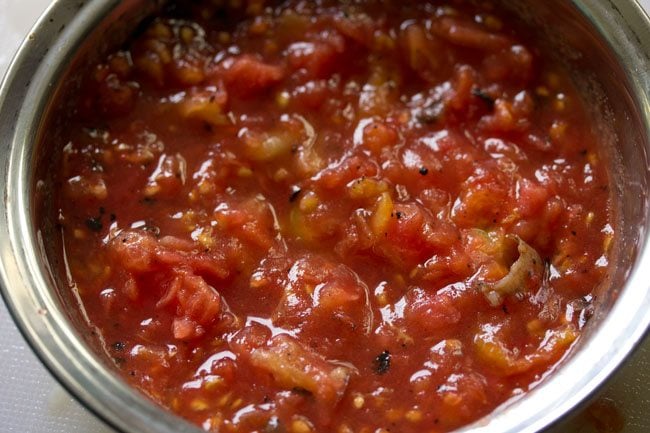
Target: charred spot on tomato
{"x": 118, "y": 346}
{"x": 423, "y": 171}
{"x": 94, "y": 224}
{"x": 483, "y": 96}
{"x": 301, "y": 391}
{"x": 381, "y": 363}
{"x": 295, "y": 192}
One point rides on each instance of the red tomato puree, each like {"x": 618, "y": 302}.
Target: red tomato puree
{"x": 355, "y": 217}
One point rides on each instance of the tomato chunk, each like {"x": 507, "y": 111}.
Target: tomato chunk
{"x": 247, "y": 76}
{"x": 294, "y": 366}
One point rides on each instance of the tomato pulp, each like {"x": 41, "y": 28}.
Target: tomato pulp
{"x": 333, "y": 217}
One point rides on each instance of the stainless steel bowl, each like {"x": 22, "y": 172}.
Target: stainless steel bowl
{"x": 605, "y": 43}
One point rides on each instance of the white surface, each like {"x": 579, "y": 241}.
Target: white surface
{"x": 31, "y": 401}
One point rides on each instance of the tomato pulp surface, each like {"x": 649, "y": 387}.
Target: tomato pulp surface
{"x": 352, "y": 217}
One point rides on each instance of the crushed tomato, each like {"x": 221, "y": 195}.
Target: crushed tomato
{"x": 347, "y": 217}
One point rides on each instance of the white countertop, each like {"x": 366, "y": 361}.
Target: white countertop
{"x": 31, "y": 401}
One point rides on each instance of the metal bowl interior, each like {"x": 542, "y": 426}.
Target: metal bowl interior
{"x": 606, "y": 45}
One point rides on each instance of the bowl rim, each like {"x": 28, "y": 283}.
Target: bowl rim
{"x": 625, "y": 26}
{"x": 42, "y": 57}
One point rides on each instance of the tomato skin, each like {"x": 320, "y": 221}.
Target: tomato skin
{"x": 246, "y": 76}
{"x": 318, "y": 58}
{"x": 430, "y": 313}
{"x": 378, "y": 136}
{"x": 134, "y": 250}
{"x": 315, "y": 217}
